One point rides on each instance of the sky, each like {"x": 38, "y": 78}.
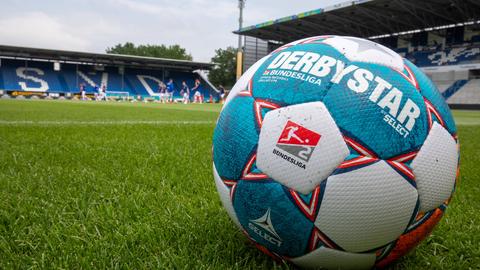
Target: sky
{"x": 200, "y": 26}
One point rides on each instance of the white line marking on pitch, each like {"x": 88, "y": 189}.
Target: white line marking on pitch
{"x": 147, "y": 122}
{"x": 468, "y": 122}
{"x": 100, "y": 123}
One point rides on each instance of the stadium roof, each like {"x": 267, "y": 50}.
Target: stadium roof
{"x": 100, "y": 58}
{"x": 369, "y": 19}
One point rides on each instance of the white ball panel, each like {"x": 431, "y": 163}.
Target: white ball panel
{"x": 366, "y": 208}
{"x": 224, "y": 193}
{"x": 362, "y": 50}
{"x": 323, "y": 158}
{"x": 435, "y": 168}
{"x": 327, "y": 258}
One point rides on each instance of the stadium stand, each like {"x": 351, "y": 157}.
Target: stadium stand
{"x": 450, "y": 56}
{"x": 470, "y": 93}
{"x": 454, "y": 88}
{"x": 40, "y": 72}
{"x": 442, "y": 37}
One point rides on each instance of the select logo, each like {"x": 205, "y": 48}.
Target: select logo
{"x": 298, "y": 141}
{"x": 263, "y": 227}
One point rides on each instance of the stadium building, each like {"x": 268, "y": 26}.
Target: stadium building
{"x": 442, "y": 37}
{"x": 32, "y": 72}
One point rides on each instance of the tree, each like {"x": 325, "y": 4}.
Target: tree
{"x": 161, "y": 51}
{"x": 223, "y": 73}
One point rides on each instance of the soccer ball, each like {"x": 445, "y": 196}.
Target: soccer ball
{"x": 335, "y": 152}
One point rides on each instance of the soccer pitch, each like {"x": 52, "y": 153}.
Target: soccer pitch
{"x": 130, "y": 185}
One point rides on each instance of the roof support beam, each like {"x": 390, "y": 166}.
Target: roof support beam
{"x": 312, "y": 27}
{"x": 383, "y": 22}
{"x": 474, "y": 2}
{"x": 427, "y": 9}
{"x": 297, "y": 31}
{"x": 327, "y": 28}
{"x": 269, "y": 35}
{"x": 466, "y": 12}
{"x": 363, "y": 29}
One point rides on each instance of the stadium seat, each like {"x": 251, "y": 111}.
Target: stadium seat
{"x": 468, "y": 94}
{"x": 16, "y": 75}
{"x": 449, "y": 56}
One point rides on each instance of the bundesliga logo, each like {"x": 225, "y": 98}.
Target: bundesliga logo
{"x": 297, "y": 141}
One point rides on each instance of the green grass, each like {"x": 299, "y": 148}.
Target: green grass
{"x": 90, "y": 185}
